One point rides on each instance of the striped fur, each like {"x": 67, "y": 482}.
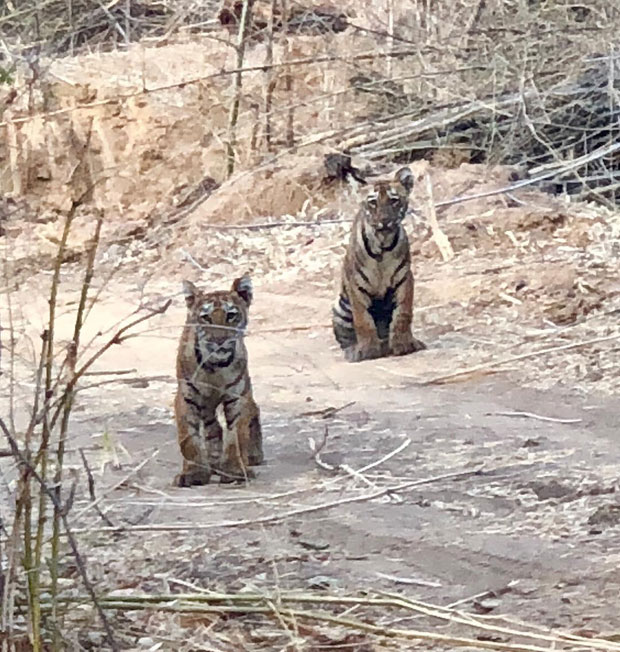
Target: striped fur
{"x": 212, "y": 371}
{"x": 372, "y": 315}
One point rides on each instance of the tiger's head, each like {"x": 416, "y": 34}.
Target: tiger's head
{"x": 219, "y": 320}
{"x": 386, "y": 204}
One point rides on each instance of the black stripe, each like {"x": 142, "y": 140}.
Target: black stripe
{"x": 394, "y": 242}
{"x": 236, "y": 380}
{"x": 402, "y": 280}
{"x": 365, "y": 291}
{"x": 227, "y": 362}
{"x": 231, "y": 422}
{"x": 348, "y": 318}
{"x": 344, "y": 304}
{"x": 403, "y": 263}
{"x": 191, "y": 386}
{"x": 192, "y": 403}
{"x": 247, "y": 387}
{"x": 367, "y": 247}
{"x": 198, "y": 353}
{"x": 360, "y": 271}
{"x": 342, "y": 320}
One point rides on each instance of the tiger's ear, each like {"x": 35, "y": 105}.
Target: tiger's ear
{"x": 191, "y": 292}
{"x": 243, "y": 287}
{"x": 405, "y": 177}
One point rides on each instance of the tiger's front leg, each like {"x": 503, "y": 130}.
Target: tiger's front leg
{"x": 196, "y": 468}
{"x": 214, "y": 436}
{"x": 239, "y": 412}
{"x": 368, "y": 345}
{"x": 255, "y": 450}
{"x": 401, "y": 340}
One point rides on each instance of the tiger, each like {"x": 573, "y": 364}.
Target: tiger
{"x": 373, "y": 311}
{"x": 212, "y": 371}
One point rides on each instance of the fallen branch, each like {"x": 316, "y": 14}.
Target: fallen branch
{"x": 120, "y": 483}
{"x": 357, "y": 475}
{"x": 408, "y": 580}
{"x": 277, "y": 518}
{"x": 326, "y": 413}
{"x": 531, "y": 415}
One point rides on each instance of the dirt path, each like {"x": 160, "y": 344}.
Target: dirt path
{"x": 518, "y": 529}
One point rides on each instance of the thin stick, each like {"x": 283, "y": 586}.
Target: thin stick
{"x": 385, "y": 458}
{"x": 288, "y": 329}
{"x": 408, "y": 580}
{"x": 185, "y": 254}
{"x": 79, "y": 562}
{"x": 246, "y": 17}
{"x": 113, "y": 488}
{"x": 531, "y": 415}
{"x": 272, "y": 79}
{"x": 288, "y": 80}
{"x": 276, "y": 518}
{"x": 91, "y": 490}
{"x": 441, "y": 240}
{"x": 439, "y": 380}
{"x": 357, "y": 475}
{"x": 64, "y": 424}
{"x": 120, "y": 336}
{"x": 326, "y": 412}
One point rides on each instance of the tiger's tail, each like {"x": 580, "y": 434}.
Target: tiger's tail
{"x": 342, "y": 322}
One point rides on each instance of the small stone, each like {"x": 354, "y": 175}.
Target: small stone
{"x": 606, "y": 515}
{"x": 146, "y": 641}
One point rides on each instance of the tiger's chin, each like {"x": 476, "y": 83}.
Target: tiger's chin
{"x": 220, "y": 357}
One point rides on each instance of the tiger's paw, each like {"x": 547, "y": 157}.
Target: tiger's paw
{"x": 406, "y": 346}
{"x": 418, "y": 345}
{"x": 256, "y": 458}
{"x": 229, "y": 473}
{"x": 358, "y": 352}
{"x": 195, "y": 477}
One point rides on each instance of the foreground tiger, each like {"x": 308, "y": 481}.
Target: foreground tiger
{"x": 212, "y": 370}
{"x": 372, "y": 316}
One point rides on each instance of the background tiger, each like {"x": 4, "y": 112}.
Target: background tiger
{"x": 212, "y": 370}
{"x": 372, "y": 316}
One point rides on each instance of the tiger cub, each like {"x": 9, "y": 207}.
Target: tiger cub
{"x": 212, "y": 370}
{"x": 372, "y": 316}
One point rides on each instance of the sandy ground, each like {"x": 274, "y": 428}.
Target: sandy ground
{"x": 521, "y": 533}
